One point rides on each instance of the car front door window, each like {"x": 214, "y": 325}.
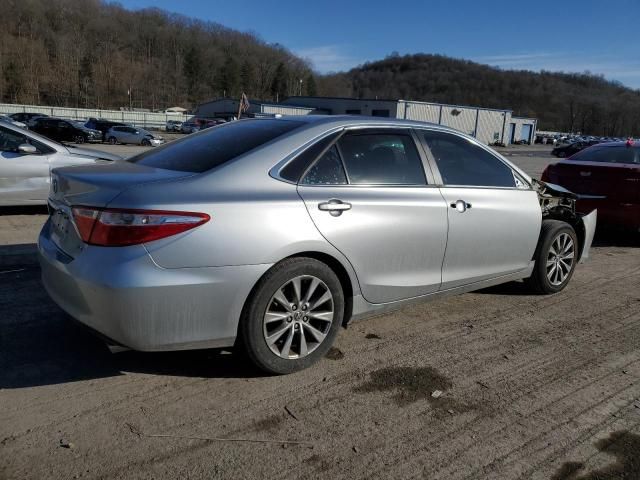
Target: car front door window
{"x": 461, "y": 163}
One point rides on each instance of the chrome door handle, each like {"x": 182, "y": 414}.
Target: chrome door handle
{"x": 334, "y": 206}
{"x": 460, "y": 205}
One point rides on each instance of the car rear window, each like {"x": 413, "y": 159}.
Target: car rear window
{"x": 617, "y": 154}
{"x": 210, "y": 148}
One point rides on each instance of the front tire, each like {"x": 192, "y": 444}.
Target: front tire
{"x": 292, "y": 316}
{"x": 79, "y": 139}
{"x": 112, "y": 140}
{"x": 556, "y": 257}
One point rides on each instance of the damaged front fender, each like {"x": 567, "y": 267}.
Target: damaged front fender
{"x": 558, "y": 203}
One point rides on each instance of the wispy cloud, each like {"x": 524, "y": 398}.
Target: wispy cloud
{"x": 622, "y": 69}
{"x": 328, "y": 58}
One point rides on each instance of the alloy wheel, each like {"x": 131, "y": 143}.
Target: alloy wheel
{"x": 560, "y": 259}
{"x": 298, "y": 317}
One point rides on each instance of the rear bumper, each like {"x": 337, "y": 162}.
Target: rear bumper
{"x": 122, "y": 294}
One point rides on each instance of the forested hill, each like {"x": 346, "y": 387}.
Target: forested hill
{"x": 561, "y": 101}
{"x": 88, "y": 53}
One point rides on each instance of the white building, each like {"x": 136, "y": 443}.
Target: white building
{"x": 486, "y": 124}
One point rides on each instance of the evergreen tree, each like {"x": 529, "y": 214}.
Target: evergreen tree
{"x": 312, "y": 89}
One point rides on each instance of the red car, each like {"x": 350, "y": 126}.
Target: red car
{"x": 606, "y": 177}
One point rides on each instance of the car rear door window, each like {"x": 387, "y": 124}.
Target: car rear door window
{"x": 293, "y": 170}
{"x": 384, "y": 158}
{"x": 461, "y": 163}
{"x": 328, "y": 170}
{"x": 215, "y": 146}
{"x": 617, "y": 154}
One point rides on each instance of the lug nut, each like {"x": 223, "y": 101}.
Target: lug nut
{"x": 296, "y": 326}
{"x": 304, "y": 307}
{"x": 289, "y": 319}
{"x": 306, "y": 318}
{"x": 294, "y": 307}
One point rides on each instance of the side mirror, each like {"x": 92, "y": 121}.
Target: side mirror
{"x": 27, "y": 149}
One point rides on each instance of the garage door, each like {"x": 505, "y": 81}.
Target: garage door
{"x": 526, "y": 133}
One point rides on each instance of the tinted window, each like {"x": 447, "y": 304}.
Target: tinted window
{"x": 327, "y": 170}
{"x": 296, "y": 167}
{"x": 462, "y": 163}
{"x": 215, "y": 146}
{"x": 381, "y": 159}
{"x": 617, "y": 154}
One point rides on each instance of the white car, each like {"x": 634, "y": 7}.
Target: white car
{"x": 26, "y": 160}
{"x": 134, "y": 135}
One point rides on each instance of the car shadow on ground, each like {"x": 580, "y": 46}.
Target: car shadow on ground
{"x": 41, "y": 345}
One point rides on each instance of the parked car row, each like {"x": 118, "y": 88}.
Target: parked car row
{"x": 75, "y": 131}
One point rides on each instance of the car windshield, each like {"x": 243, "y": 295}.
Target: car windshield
{"x": 214, "y": 146}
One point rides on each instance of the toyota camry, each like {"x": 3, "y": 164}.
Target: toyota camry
{"x": 271, "y": 234}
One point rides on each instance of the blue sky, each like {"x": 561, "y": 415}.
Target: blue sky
{"x": 568, "y": 35}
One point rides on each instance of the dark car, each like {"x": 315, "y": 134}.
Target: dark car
{"x": 607, "y": 178}
{"x": 27, "y": 118}
{"x": 66, "y": 130}
{"x": 568, "y": 150}
{"x": 103, "y": 125}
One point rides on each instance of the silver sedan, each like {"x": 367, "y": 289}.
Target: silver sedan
{"x": 137, "y": 136}
{"x": 271, "y": 234}
{"x": 26, "y": 160}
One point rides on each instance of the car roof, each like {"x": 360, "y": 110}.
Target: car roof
{"x": 617, "y": 144}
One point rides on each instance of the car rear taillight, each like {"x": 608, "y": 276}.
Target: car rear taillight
{"x": 111, "y": 227}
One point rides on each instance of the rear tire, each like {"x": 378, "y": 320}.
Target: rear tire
{"x": 145, "y": 143}
{"x": 292, "y": 316}
{"x": 556, "y": 257}
{"x": 79, "y": 139}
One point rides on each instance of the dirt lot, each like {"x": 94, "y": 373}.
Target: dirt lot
{"x": 533, "y": 387}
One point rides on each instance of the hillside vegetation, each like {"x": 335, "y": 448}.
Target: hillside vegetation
{"x": 88, "y": 53}
{"x": 561, "y": 101}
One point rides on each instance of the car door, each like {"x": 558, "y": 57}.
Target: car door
{"x": 368, "y": 195}
{"x": 24, "y": 178}
{"x": 494, "y": 215}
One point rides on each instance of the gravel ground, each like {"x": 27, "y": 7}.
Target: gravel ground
{"x": 532, "y": 387}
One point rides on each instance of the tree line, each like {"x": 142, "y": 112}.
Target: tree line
{"x": 90, "y": 53}
{"x": 569, "y": 102}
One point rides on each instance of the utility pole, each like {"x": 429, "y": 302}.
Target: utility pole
{"x": 130, "y": 101}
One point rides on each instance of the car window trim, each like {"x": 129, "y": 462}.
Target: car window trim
{"x": 478, "y": 144}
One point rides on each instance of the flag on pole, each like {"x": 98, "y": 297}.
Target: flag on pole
{"x": 244, "y": 103}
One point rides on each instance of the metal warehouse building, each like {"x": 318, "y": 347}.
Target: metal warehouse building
{"x": 487, "y": 125}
